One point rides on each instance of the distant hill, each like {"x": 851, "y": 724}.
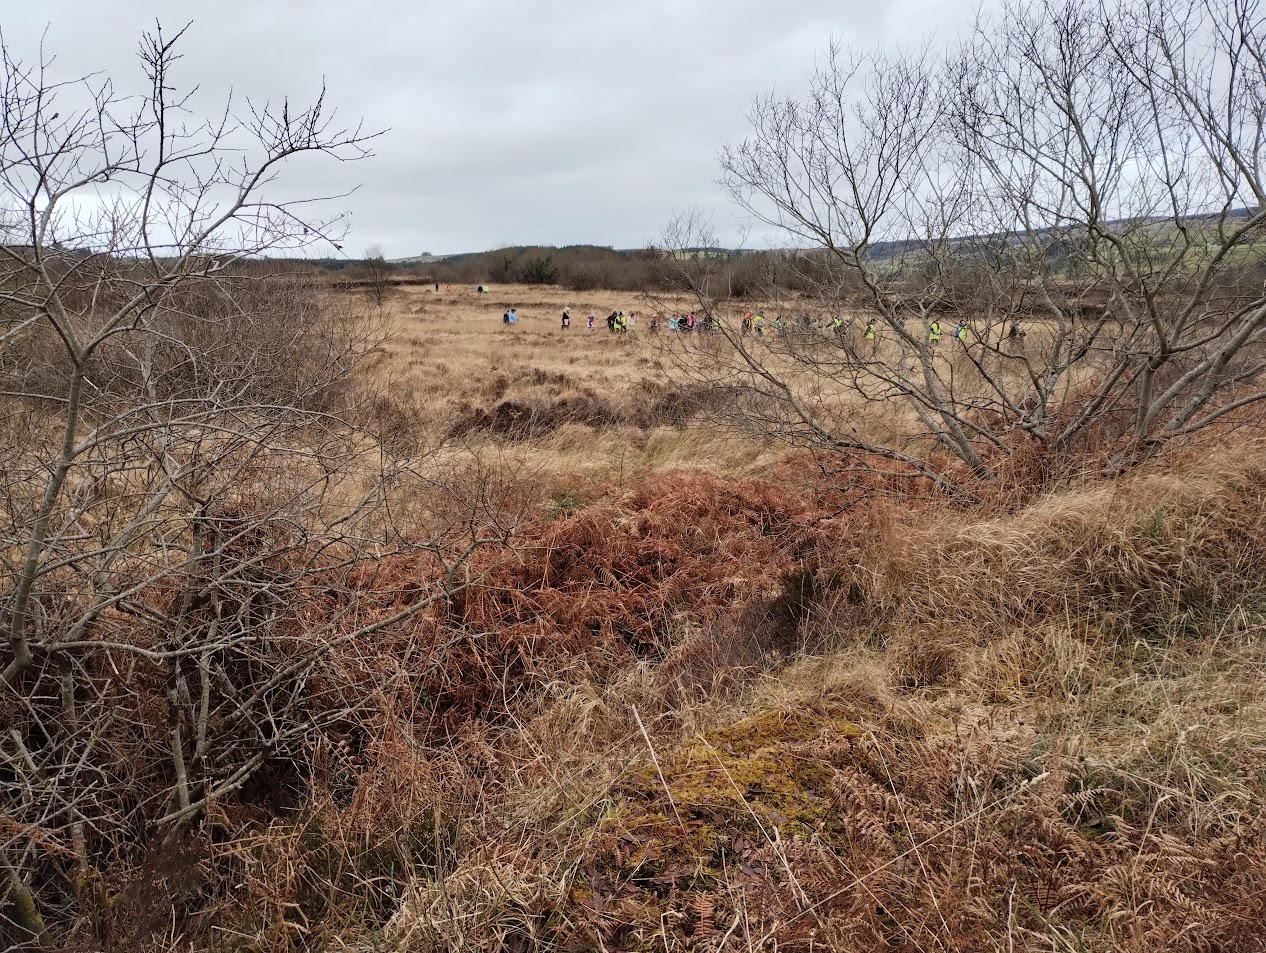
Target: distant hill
{"x": 425, "y": 258}
{"x": 428, "y": 259}
{"x": 882, "y": 251}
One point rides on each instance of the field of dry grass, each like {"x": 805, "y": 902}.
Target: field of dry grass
{"x": 581, "y": 406}
{"x": 715, "y": 709}
{"x": 707, "y": 699}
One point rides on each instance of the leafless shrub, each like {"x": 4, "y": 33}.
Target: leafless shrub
{"x": 191, "y": 504}
{"x": 1076, "y": 187}
{"x": 375, "y": 274}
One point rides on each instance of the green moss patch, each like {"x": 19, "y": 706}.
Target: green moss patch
{"x": 722, "y": 797}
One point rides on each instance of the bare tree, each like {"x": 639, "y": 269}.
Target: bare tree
{"x": 1067, "y": 201}
{"x": 192, "y": 508}
{"x": 375, "y": 273}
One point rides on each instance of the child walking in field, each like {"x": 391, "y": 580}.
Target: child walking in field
{"x": 590, "y": 321}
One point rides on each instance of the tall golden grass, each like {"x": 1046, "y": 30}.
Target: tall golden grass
{"x": 581, "y": 406}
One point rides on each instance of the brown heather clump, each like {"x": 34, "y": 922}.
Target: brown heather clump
{"x": 639, "y": 574}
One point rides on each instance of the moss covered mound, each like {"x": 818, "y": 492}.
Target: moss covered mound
{"x": 705, "y": 805}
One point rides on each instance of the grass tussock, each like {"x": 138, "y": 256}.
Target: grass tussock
{"x": 1144, "y": 558}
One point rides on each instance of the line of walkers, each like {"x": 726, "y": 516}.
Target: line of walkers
{"x": 684, "y": 323}
{"x": 616, "y": 320}
{"x": 619, "y": 322}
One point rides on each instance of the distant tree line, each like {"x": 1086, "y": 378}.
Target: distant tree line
{"x": 741, "y": 274}
{"x": 768, "y": 274}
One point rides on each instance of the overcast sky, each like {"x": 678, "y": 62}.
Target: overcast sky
{"x": 548, "y": 122}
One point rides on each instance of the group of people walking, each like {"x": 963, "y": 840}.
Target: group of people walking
{"x": 620, "y": 323}
{"x": 935, "y": 333}
{"x": 758, "y": 325}
{"x": 617, "y": 321}
{"x": 685, "y": 322}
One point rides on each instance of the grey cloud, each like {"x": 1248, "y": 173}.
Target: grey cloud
{"x": 552, "y": 122}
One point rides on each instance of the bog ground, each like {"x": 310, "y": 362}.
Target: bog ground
{"x": 715, "y": 702}
{"x": 574, "y": 404}
{"x": 514, "y": 641}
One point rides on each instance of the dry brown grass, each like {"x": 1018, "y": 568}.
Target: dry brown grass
{"x": 1042, "y": 730}
{"x": 710, "y": 702}
{"x": 582, "y": 406}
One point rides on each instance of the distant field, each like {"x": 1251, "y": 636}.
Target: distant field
{"x": 453, "y": 358}
{"x": 578, "y": 403}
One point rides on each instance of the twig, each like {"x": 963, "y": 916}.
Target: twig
{"x": 658, "y": 769}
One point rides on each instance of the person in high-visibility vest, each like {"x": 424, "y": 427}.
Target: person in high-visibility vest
{"x": 837, "y": 324}
{"x": 934, "y": 332}
{"x": 870, "y": 330}
{"x": 960, "y": 332}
